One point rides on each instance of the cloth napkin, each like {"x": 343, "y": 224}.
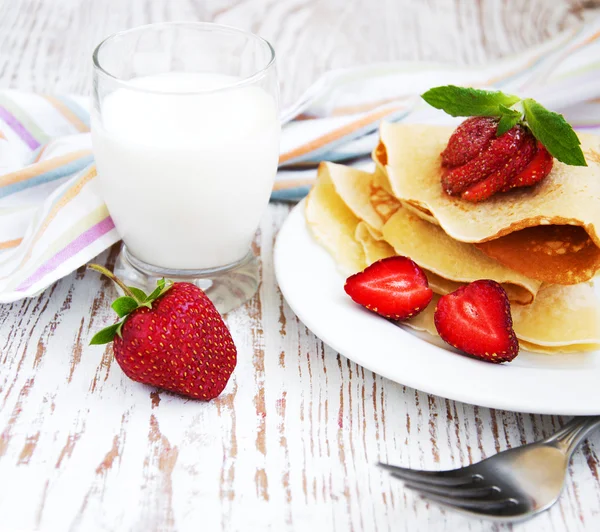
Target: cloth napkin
{"x": 53, "y": 220}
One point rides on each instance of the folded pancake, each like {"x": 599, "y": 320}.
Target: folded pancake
{"x": 549, "y": 232}
{"x": 333, "y": 225}
{"x": 365, "y": 194}
{"x": 432, "y": 249}
{"x": 561, "y": 319}
{"x": 376, "y": 249}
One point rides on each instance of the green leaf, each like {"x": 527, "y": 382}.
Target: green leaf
{"x": 554, "y": 132}
{"x": 124, "y": 305}
{"x": 161, "y": 287}
{"x": 139, "y": 294}
{"x": 463, "y": 101}
{"x": 105, "y": 335}
{"x": 509, "y": 119}
{"x": 120, "y": 328}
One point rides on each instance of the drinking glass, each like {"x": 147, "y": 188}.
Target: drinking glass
{"x": 185, "y": 132}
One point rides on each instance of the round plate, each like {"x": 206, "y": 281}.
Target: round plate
{"x": 313, "y": 287}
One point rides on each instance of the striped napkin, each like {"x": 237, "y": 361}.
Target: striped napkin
{"x": 52, "y": 219}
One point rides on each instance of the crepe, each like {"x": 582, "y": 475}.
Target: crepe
{"x": 561, "y": 319}
{"x": 376, "y": 249}
{"x": 549, "y": 232}
{"x": 455, "y": 262}
{"x": 333, "y": 225}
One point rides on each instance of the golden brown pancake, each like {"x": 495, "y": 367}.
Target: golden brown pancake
{"x": 333, "y": 225}
{"x": 376, "y": 249}
{"x": 434, "y": 250}
{"x": 426, "y": 244}
{"x": 561, "y": 319}
{"x": 564, "y": 210}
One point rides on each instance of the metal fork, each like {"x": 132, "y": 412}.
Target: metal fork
{"x": 512, "y": 485}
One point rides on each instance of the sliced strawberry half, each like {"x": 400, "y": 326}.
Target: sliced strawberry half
{"x": 497, "y": 180}
{"x": 468, "y": 140}
{"x": 395, "y": 288}
{"x": 537, "y": 169}
{"x": 491, "y": 159}
{"x": 476, "y": 319}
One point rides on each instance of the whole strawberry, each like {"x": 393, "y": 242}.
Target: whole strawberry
{"x": 173, "y": 339}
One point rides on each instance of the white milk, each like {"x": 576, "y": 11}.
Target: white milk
{"x": 186, "y": 176}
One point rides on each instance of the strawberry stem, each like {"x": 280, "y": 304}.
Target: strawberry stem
{"x": 115, "y": 279}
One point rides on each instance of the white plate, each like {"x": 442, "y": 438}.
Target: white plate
{"x": 546, "y": 384}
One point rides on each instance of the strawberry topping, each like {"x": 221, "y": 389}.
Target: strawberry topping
{"x": 395, "y": 288}
{"x": 493, "y": 158}
{"x": 499, "y": 180}
{"x": 478, "y": 165}
{"x": 538, "y": 168}
{"x": 469, "y": 140}
{"x": 476, "y": 319}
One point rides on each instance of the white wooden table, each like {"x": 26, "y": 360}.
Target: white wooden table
{"x": 291, "y": 444}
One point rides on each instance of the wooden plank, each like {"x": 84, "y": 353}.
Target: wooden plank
{"x": 292, "y": 443}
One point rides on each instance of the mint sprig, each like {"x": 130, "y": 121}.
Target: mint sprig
{"x": 508, "y": 119}
{"x": 550, "y": 128}
{"x": 464, "y": 101}
{"x": 133, "y": 299}
{"x": 554, "y": 132}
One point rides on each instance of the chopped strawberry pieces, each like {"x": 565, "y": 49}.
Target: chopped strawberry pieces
{"x": 477, "y": 164}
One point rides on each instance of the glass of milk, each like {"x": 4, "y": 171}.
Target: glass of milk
{"x": 185, "y": 131}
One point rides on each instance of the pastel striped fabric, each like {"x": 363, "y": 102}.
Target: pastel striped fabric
{"x": 52, "y": 219}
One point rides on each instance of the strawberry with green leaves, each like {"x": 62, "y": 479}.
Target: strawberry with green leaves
{"x": 506, "y": 143}
{"x": 173, "y": 339}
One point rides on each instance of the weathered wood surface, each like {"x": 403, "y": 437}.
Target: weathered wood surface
{"x": 291, "y": 443}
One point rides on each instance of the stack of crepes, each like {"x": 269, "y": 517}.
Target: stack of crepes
{"x": 542, "y": 244}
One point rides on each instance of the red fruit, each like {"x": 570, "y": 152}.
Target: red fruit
{"x": 173, "y": 339}
{"x": 395, "y": 288}
{"x": 479, "y": 164}
{"x": 469, "y": 140}
{"x": 497, "y": 181}
{"x": 537, "y": 169}
{"x": 476, "y": 319}
{"x": 491, "y": 159}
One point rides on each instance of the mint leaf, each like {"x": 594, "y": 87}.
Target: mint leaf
{"x": 124, "y": 305}
{"x": 554, "y": 132}
{"x": 509, "y": 119}
{"x": 140, "y": 295}
{"x": 462, "y": 101}
{"x": 105, "y": 335}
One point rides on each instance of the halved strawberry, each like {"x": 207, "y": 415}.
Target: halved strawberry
{"x": 491, "y": 159}
{"x": 469, "y": 140}
{"x": 394, "y": 287}
{"x": 476, "y": 319}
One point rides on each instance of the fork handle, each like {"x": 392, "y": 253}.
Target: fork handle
{"x": 573, "y": 433}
